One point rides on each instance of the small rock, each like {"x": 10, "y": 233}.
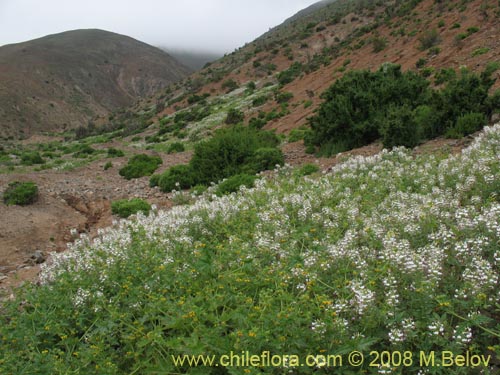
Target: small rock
{"x": 38, "y": 257}
{"x": 2, "y": 278}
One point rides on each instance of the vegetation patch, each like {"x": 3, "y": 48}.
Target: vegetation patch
{"x": 384, "y": 253}
{"x": 20, "y": 193}
{"x": 398, "y": 107}
{"x": 126, "y": 207}
{"x": 140, "y": 165}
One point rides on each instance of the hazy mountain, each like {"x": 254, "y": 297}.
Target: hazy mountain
{"x": 195, "y": 60}
{"x": 61, "y": 81}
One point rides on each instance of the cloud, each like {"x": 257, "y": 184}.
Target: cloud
{"x": 210, "y": 25}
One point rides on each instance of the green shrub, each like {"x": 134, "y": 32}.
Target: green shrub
{"x": 379, "y": 44}
{"x": 363, "y": 106}
{"x": 429, "y": 39}
{"x": 124, "y": 207}
{"x": 234, "y": 116}
{"x": 421, "y": 63}
{"x": 257, "y": 123}
{"x": 115, "y": 153}
{"x": 108, "y": 165}
{"x": 84, "y": 151}
{"x": 228, "y": 152}
{"x": 140, "y": 165}
{"x": 31, "y": 158}
{"x": 175, "y": 178}
{"x": 399, "y": 128}
{"x": 283, "y": 97}
{"x": 230, "y": 85}
{"x": 355, "y": 106}
{"x": 467, "y": 124}
{"x": 290, "y": 74}
{"x": 428, "y": 122}
{"x": 233, "y": 184}
{"x": 20, "y": 193}
{"x": 444, "y": 75}
{"x": 260, "y": 100}
{"x": 176, "y": 147}
{"x": 307, "y": 169}
{"x": 480, "y": 51}
{"x": 298, "y": 134}
{"x": 265, "y": 158}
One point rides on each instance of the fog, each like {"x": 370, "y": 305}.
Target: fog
{"x": 218, "y": 26}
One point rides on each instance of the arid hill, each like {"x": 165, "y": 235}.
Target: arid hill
{"x": 61, "y": 81}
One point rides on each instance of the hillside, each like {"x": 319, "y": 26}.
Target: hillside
{"x": 61, "y": 81}
{"x": 330, "y": 39}
{"x": 329, "y": 189}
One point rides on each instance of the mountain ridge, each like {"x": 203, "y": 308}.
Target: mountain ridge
{"x": 63, "y": 80}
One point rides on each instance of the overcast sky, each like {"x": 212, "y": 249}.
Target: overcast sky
{"x": 208, "y": 25}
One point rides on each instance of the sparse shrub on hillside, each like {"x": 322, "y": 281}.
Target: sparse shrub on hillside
{"x": 108, "y": 165}
{"x": 234, "y": 183}
{"x": 20, "y": 193}
{"x": 193, "y": 99}
{"x": 251, "y": 86}
{"x": 260, "y": 100}
{"x": 290, "y": 74}
{"x": 230, "y": 85}
{"x": 298, "y": 134}
{"x": 421, "y": 63}
{"x": 257, "y": 122}
{"x": 31, "y": 158}
{"x": 379, "y": 44}
{"x": 175, "y": 147}
{"x": 234, "y": 116}
{"x": 125, "y": 207}
{"x": 429, "y": 39}
{"x": 283, "y": 97}
{"x": 140, "y": 165}
{"x": 115, "y": 153}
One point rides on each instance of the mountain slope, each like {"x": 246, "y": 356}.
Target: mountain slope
{"x": 61, "y": 81}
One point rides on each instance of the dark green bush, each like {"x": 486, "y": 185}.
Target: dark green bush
{"x": 230, "y": 85}
{"x": 355, "y": 106}
{"x": 233, "y": 184}
{"x": 175, "y": 147}
{"x": 257, "y": 123}
{"x": 290, "y": 74}
{"x": 260, "y": 100}
{"x": 265, "y": 158}
{"x": 115, "y": 153}
{"x": 429, "y": 39}
{"x": 175, "y": 178}
{"x": 228, "y": 152}
{"x": 140, "y": 165}
{"x": 84, "y": 151}
{"x": 467, "y": 124}
{"x": 283, "y": 97}
{"x": 108, "y": 165}
{"x": 399, "y": 128}
{"x": 124, "y": 207}
{"x": 20, "y": 193}
{"x": 234, "y": 116}
{"x": 363, "y": 106}
{"x": 31, "y": 158}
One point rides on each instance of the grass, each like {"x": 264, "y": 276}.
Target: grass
{"x": 388, "y": 252}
